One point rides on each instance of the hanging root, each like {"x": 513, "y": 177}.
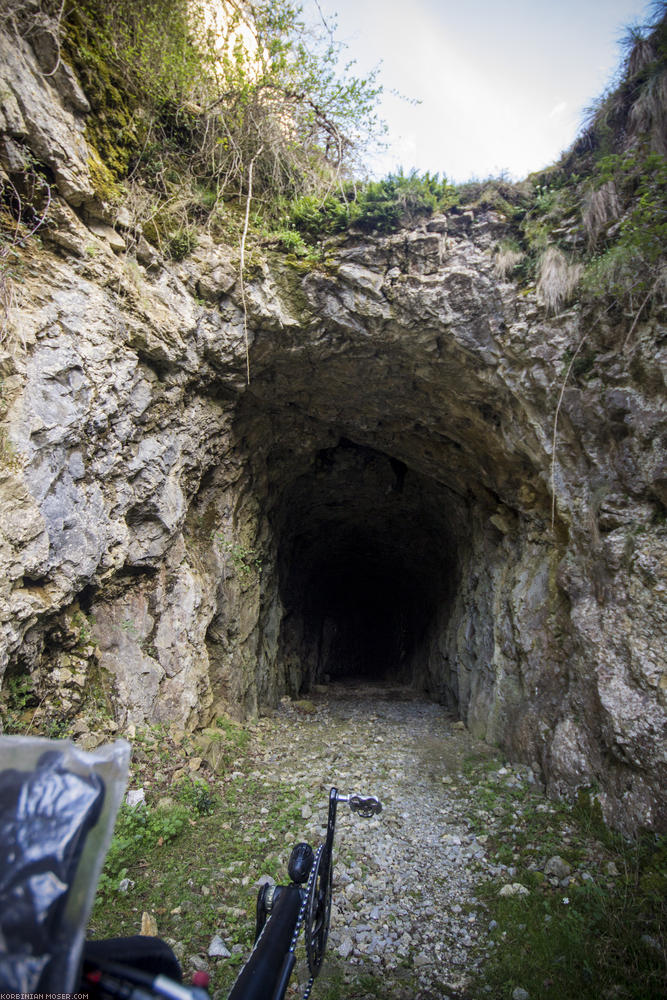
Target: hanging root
{"x": 242, "y": 262}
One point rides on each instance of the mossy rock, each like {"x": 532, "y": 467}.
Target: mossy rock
{"x": 112, "y": 127}
{"x": 305, "y": 707}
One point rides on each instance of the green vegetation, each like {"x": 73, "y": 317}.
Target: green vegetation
{"x": 597, "y": 933}
{"x": 236, "y": 735}
{"x": 192, "y": 852}
{"x": 604, "y": 205}
{"x": 190, "y": 112}
{"x": 69, "y": 684}
{"x": 383, "y": 206}
{"x": 247, "y": 127}
{"x": 191, "y": 855}
{"x": 632, "y": 190}
{"x": 141, "y": 828}
{"x": 81, "y": 625}
{"x": 17, "y": 703}
{"x": 593, "y": 226}
{"x": 192, "y": 126}
{"x": 245, "y": 561}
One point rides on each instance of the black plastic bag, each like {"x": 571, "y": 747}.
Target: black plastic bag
{"x": 56, "y": 819}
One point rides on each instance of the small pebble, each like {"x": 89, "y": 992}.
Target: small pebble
{"x": 136, "y": 797}
{"x": 218, "y": 948}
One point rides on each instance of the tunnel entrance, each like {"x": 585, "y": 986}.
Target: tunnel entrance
{"x": 369, "y": 562}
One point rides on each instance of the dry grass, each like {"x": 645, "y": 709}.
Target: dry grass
{"x": 505, "y": 260}
{"x": 600, "y": 208}
{"x": 648, "y": 114}
{"x": 641, "y": 50}
{"x": 557, "y": 279}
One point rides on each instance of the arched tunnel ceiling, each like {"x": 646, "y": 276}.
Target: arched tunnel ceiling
{"x": 351, "y": 491}
{"x": 407, "y": 363}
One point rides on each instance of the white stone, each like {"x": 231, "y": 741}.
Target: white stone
{"x": 514, "y": 889}
{"x": 218, "y": 949}
{"x": 136, "y": 797}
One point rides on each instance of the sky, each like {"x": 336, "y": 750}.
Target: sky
{"x": 502, "y": 85}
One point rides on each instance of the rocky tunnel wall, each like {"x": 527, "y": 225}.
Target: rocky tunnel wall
{"x": 377, "y": 501}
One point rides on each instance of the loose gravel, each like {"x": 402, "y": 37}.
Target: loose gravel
{"x": 404, "y": 912}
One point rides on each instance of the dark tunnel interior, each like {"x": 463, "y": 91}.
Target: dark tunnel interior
{"x": 363, "y": 611}
{"x": 369, "y": 559}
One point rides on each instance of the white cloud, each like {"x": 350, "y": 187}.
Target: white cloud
{"x": 495, "y": 91}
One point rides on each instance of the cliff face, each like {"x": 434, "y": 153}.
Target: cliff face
{"x": 377, "y": 500}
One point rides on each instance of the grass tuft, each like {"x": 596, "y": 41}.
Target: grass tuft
{"x": 557, "y": 279}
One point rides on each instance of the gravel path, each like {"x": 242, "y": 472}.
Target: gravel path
{"x": 405, "y": 919}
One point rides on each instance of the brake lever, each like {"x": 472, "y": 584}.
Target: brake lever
{"x": 365, "y": 805}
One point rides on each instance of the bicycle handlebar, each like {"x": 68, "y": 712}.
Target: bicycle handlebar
{"x": 282, "y": 911}
{"x": 265, "y": 977}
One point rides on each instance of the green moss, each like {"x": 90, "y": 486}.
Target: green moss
{"x": 111, "y": 129}
{"x": 104, "y": 184}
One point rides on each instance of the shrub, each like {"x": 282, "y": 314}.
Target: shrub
{"x": 181, "y": 243}
{"x": 385, "y": 205}
{"x": 188, "y": 105}
{"x": 402, "y": 199}
{"x": 313, "y": 216}
{"x": 196, "y": 794}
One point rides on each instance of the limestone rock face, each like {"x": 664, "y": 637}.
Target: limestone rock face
{"x": 376, "y": 502}
{"x": 43, "y": 114}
